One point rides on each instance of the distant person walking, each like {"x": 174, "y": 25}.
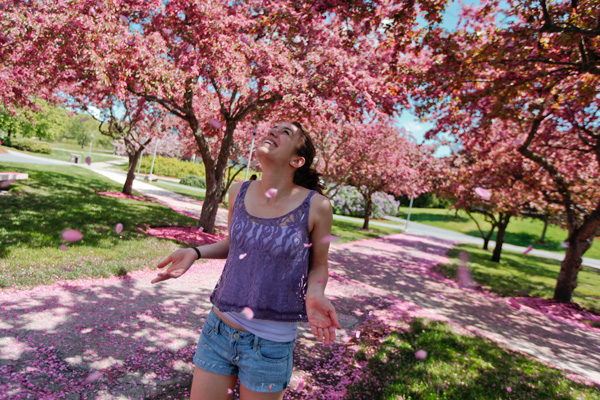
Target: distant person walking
{"x": 275, "y": 274}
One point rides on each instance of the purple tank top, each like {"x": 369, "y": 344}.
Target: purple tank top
{"x": 267, "y": 266}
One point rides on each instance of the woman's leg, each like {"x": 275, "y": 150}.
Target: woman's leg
{"x": 211, "y": 386}
{"x": 247, "y": 394}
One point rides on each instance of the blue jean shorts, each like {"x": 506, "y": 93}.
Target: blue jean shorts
{"x": 261, "y": 365}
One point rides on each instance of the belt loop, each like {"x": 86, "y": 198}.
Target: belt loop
{"x": 217, "y": 326}
{"x": 255, "y": 347}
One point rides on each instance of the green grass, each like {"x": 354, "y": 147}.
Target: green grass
{"x": 34, "y": 213}
{"x": 524, "y": 275}
{"x": 459, "y": 366}
{"x": 520, "y": 232}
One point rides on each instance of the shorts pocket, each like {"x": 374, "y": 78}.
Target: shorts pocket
{"x": 274, "y": 352}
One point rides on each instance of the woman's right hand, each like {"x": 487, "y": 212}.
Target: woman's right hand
{"x": 181, "y": 260}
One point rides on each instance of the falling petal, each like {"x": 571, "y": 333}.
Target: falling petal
{"x": 71, "y": 235}
{"x": 216, "y": 124}
{"x": 245, "y": 39}
{"x": 63, "y": 247}
{"x": 130, "y": 42}
{"x": 229, "y": 391}
{"x": 124, "y": 19}
{"x": 270, "y": 387}
{"x": 88, "y": 160}
{"x": 463, "y": 256}
{"x": 190, "y": 48}
{"x": 320, "y": 281}
{"x": 271, "y": 193}
{"x": 564, "y": 244}
{"x": 518, "y": 142}
{"x": 357, "y": 334}
{"x": 94, "y": 376}
{"x": 509, "y": 389}
{"x": 528, "y": 249}
{"x": 307, "y": 244}
{"x": 514, "y": 304}
{"x": 330, "y": 239}
{"x": 464, "y": 276}
{"x": 485, "y": 194}
{"x": 248, "y": 313}
{"x": 242, "y": 256}
{"x": 119, "y": 227}
{"x": 6, "y": 183}
{"x": 421, "y": 355}
{"x": 83, "y": 119}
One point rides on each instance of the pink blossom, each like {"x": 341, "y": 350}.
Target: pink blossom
{"x": 245, "y": 39}
{"x": 71, "y": 235}
{"x": 514, "y": 304}
{"x": 247, "y": 313}
{"x": 421, "y": 355}
{"x": 485, "y": 194}
{"x": 124, "y": 19}
{"x": 215, "y": 123}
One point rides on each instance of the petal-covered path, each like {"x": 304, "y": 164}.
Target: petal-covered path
{"x": 125, "y": 338}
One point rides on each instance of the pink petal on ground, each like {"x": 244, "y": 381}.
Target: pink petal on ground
{"x": 245, "y": 39}
{"x": 564, "y": 244}
{"x": 514, "y": 304}
{"x": 94, "y": 376}
{"x": 124, "y": 19}
{"x": 421, "y": 355}
{"x": 88, "y": 160}
{"x": 307, "y": 244}
{"x": 248, "y": 313}
{"x": 71, "y": 235}
{"x": 242, "y": 256}
{"x": 528, "y": 249}
{"x": 63, "y": 247}
{"x": 330, "y": 239}
{"x": 300, "y": 385}
{"x": 483, "y": 193}
{"x": 216, "y": 124}
{"x": 119, "y": 227}
{"x": 439, "y": 296}
{"x": 271, "y": 193}
{"x": 190, "y": 48}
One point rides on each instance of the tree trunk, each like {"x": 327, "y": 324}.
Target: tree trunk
{"x": 502, "y": 224}
{"x": 571, "y": 265}
{"x": 211, "y": 202}
{"x": 133, "y": 160}
{"x": 487, "y": 238}
{"x": 543, "y": 238}
{"x": 368, "y": 209}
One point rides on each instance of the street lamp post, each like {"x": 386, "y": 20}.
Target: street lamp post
{"x": 250, "y": 153}
{"x": 153, "y": 157}
{"x": 409, "y": 210}
{"x": 91, "y": 140}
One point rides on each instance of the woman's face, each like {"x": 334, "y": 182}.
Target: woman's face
{"x": 281, "y": 143}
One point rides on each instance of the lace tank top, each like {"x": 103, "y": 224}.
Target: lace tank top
{"x": 267, "y": 265}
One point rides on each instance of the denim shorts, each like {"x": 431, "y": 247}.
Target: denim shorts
{"x": 261, "y": 365}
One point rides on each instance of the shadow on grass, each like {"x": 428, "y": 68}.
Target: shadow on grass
{"x": 35, "y": 212}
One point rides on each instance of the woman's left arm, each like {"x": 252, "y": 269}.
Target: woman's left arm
{"x": 321, "y": 313}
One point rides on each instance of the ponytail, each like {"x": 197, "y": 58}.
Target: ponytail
{"x": 306, "y": 176}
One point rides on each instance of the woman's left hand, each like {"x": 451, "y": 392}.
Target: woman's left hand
{"x": 322, "y": 318}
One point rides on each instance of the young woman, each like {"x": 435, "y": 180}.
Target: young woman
{"x": 275, "y": 274}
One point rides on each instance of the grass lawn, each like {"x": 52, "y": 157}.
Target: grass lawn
{"x": 34, "y": 213}
{"x": 458, "y": 366}
{"x": 524, "y": 275}
{"x": 520, "y": 232}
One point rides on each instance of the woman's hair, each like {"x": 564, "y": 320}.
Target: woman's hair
{"x": 306, "y": 176}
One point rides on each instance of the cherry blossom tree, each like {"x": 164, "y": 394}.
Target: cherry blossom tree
{"x": 535, "y": 66}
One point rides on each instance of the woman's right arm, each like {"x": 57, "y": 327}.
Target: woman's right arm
{"x": 181, "y": 260}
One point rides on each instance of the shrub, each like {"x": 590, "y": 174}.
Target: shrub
{"x": 34, "y": 146}
{"x": 193, "y": 180}
{"x": 426, "y": 200}
{"x": 171, "y": 167}
{"x": 349, "y": 201}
